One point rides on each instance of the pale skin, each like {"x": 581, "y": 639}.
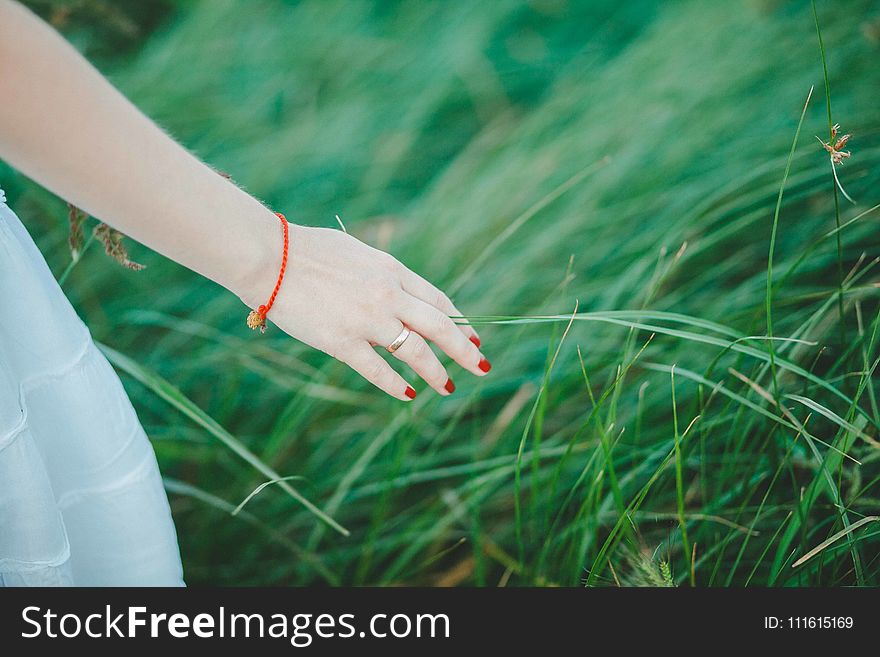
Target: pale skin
{"x": 66, "y": 127}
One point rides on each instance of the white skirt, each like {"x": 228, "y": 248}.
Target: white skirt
{"x": 81, "y": 499}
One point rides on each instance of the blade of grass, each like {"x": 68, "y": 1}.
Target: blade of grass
{"x": 776, "y": 211}
{"x": 834, "y": 538}
{"x": 525, "y": 434}
{"x": 172, "y": 396}
{"x": 256, "y": 491}
{"x": 477, "y": 263}
{"x": 834, "y": 176}
{"x": 679, "y": 481}
{"x": 177, "y": 487}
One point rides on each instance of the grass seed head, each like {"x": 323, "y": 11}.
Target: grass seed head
{"x": 835, "y": 150}
{"x": 114, "y": 247}
{"x": 75, "y": 239}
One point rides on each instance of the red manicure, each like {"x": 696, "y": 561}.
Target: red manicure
{"x": 475, "y": 340}
{"x": 450, "y": 386}
{"x": 484, "y": 365}
{"x": 410, "y": 392}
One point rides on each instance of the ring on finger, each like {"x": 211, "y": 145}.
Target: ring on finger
{"x": 398, "y": 341}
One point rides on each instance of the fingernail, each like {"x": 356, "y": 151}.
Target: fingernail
{"x": 484, "y": 365}
{"x": 410, "y": 392}
{"x": 450, "y": 386}
{"x": 475, "y": 340}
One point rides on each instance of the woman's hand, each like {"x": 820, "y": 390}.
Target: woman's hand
{"x": 345, "y": 298}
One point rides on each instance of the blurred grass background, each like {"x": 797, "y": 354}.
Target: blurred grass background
{"x": 523, "y": 155}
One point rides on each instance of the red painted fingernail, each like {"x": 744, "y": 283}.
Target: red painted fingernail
{"x": 484, "y": 365}
{"x": 450, "y": 386}
{"x": 410, "y": 392}
{"x": 475, "y": 340}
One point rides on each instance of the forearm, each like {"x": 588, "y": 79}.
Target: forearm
{"x": 66, "y": 127}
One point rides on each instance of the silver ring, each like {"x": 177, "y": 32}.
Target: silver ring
{"x": 399, "y": 340}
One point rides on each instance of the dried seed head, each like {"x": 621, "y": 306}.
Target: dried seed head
{"x": 835, "y": 149}
{"x": 113, "y": 246}
{"x": 837, "y": 155}
{"x": 75, "y": 219}
{"x": 840, "y": 156}
{"x": 840, "y": 143}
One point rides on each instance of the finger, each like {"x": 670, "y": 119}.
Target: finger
{"x": 434, "y": 296}
{"x": 434, "y": 325}
{"x": 377, "y": 371}
{"x": 416, "y": 353}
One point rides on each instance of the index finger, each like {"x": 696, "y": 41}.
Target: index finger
{"x": 434, "y": 296}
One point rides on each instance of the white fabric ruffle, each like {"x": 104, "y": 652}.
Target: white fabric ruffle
{"x": 81, "y": 499}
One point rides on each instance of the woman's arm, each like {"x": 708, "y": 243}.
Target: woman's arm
{"x": 63, "y": 125}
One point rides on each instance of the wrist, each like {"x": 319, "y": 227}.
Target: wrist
{"x": 260, "y": 260}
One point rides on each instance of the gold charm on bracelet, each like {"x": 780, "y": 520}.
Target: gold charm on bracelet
{"x": 256, "y": 321}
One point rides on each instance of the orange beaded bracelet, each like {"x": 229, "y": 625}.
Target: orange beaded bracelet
{"x": 257, "y": 318}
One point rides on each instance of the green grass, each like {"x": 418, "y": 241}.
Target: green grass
{"x": 600, "y": 187}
